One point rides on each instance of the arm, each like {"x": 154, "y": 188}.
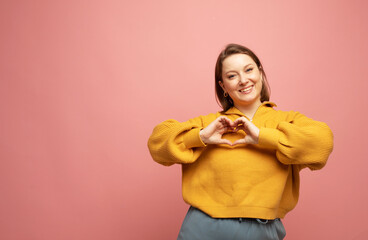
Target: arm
{"x": 299, "y": 140}
{"x": 174, "y": 142}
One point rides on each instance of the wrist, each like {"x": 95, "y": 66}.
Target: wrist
{"x": 191, "y": 139}
{"x": 257, "y": 136}
{"x": 203, "y": 139}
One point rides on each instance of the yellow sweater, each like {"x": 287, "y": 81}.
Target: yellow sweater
{"x": 253, "y": 181}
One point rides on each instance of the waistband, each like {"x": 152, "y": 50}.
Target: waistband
{"x": 259, "y": 220}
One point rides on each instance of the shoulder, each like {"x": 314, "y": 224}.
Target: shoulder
{"x": 268, "y": 110}
{"x": 208, "y": 118}
{"x": 270, "y": 114}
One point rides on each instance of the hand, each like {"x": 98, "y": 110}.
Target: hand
{"x": 212, "y": 134}
{"x": 249, "y": 128}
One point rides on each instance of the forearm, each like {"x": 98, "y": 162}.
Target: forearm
{"x": 309, "y": 144}
{"x": 173, "y": 142}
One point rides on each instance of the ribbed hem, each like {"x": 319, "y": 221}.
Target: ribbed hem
{"x": 192, "y": 139}
{"x": 243, "y": 212}
{"x": 269, "y": 137}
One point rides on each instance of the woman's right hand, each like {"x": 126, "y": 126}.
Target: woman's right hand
{"x": 212, "y": 134}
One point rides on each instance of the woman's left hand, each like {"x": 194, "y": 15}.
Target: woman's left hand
{"x": 249, "y": 128}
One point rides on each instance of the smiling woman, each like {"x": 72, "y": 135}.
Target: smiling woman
{"x": 242, "y": 82}
{"x": 241, "y": 165}
{"x": 249, "y": 67}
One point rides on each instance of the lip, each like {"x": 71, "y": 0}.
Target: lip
{"x": 246, "y": 90}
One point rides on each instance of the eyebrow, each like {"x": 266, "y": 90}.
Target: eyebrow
{"x": 235, "y": 71}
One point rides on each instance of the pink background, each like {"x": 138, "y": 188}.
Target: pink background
{"x": 83, "y": 83}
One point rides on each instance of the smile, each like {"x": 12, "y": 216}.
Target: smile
{"x": 246, "y": 90}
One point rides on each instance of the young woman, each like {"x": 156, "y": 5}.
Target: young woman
{"x": 241, "y": 166}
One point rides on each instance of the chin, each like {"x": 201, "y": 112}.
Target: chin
{"x": 248, "y": 101}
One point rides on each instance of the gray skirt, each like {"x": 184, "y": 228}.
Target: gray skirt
{"x": 199, "y": 225}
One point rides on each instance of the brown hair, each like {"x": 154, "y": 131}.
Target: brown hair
{"x": 230, "y": 49}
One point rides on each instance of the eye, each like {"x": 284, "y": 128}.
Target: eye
{"x": 232, "y": 76}
{"x": 249, "y": 70}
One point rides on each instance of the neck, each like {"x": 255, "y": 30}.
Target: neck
{"x": 249, "y": 110}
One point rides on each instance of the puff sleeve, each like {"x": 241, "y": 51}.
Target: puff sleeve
{"x": 299, "y": 140}
{"x": 176, "y": 142}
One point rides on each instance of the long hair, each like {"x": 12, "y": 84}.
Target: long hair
{"x": 230, "y": 49}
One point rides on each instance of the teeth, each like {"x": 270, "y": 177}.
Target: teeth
{"x": 246, "y": 89}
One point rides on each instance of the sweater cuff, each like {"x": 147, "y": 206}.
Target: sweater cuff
{"x": 192, "y": 138}
{"x": 269, "y": 137}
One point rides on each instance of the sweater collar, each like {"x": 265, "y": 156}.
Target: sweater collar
{"x": 265, "y": 104}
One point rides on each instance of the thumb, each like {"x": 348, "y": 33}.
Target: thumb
{"x": 239, "y": 141}
{"x": 224, "y": 141}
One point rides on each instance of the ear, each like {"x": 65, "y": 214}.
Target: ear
{"x": 222, "y": 85}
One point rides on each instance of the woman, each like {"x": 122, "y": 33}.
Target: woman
{"x": 241, "y": 166}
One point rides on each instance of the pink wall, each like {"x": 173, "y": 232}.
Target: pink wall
{"x": 83, "y": 83}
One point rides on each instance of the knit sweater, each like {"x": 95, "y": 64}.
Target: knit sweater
{"x": 248, "y": 180}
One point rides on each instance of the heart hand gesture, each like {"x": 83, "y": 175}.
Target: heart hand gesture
{"x": 212, "y": 134}
{"x": 249, "y": 128}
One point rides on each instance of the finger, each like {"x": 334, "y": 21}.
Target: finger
{"x": 224, "y": 120}
{"x": 241, "y": 120}
{"x": 233, "y": 125}
{"x": 239, "y": 141}
{"x": 227, "y": 124}
{"x": 223, "y": 127}
{"x": 225, "y": 141}
{"x": 244, "y": 128}
{"x": 244, "y": 123}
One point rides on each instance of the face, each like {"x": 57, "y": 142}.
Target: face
{"x": 242, "y": 80}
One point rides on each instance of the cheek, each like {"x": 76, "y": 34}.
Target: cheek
{"x": 233, "y": 87}
{"x": 260, "y": 84}
{"x": 228, "y": 85}
{"x": 257, "y": 77}
{"x": 259, "y": 80}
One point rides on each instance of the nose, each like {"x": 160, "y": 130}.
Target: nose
{"x": 243, "y": 79}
